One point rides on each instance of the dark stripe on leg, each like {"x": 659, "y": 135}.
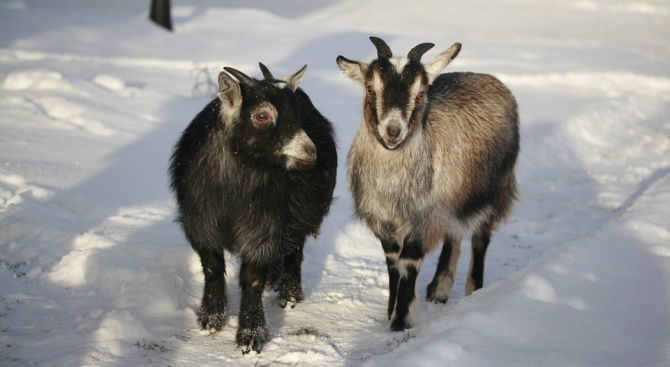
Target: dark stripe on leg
{"x": 394, "y": 277}
{"x": 409, "y": 264}
{"x": 406, "y": 299}
{"x": 391, "y": 250}
{"x": 480, "y": 243}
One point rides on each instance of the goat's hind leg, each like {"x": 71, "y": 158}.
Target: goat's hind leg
{"x": 439, "y": 289}
{"x": 480, "y": 243}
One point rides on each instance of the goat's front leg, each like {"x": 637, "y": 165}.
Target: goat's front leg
{"x": 213, "y": 306}
{"x": 290, "y": 287}
{"x": 409, "y": 264}
{"x": 252, "y": 331}
{"x": 392, "y": 253}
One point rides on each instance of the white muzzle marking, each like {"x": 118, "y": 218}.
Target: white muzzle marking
{"x": 299, "y": 151}
{"x": 393, "y": 129}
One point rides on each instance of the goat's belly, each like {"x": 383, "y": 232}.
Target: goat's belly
{"x": 391, "y": 213}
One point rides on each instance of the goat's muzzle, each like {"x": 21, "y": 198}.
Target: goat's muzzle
{"x": 300, "y": 152}
{"x": 392, "y": 134}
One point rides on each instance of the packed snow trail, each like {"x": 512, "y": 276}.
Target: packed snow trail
{"x": 94, "y": 271}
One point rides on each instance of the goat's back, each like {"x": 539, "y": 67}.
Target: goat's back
{"x": 473, "y": 127}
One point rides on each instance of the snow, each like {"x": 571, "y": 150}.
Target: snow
{"x": 94, "y": 271}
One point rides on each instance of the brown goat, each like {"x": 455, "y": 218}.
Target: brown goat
{"x": 433, "y": 159}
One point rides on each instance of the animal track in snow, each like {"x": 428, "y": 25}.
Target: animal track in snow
{"x": 13, "y": 188}
{"x": 62, "y": 110}
{"x": 34, "y": 79}
{"x": 141, "y": 215}
{"x": 109, "y": 82}
{"x": 115, "y": 84}
{"x": 57, "y": 108}
{"x": 89, "y": 322}
{"x": 539, "y": 289}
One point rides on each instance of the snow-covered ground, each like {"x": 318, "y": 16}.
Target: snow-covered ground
{"x": 94, "y": 272}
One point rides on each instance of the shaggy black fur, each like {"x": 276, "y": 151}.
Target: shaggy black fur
{"x": 234, "y": 192}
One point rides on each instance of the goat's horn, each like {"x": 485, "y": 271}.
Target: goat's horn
{"x": 242, "y": 77}
{"x": 418, "y": 51}
{"x": 266, "y": 72}
{"x": 383, "y": 50}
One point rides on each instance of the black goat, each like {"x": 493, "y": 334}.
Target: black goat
{"x": 253, "y": 174}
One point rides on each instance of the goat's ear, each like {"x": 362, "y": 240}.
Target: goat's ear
{"x": 355, "y": 70}
{"x": 435, "y": 66}
{"x": 295, "y": 79}
{"x": 229, "y": 92}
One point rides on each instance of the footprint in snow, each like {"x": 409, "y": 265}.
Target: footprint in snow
{"x": 115, "y": 84}
{"x": 56, "y": 108}
{"x": 71, "y": 113}
{"x": 13, "y": 190}
{"x": 34, "y": 79}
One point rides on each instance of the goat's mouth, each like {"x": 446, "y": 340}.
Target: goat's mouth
{"x": 391, "y": 144}
{"x": 296, "y": 163}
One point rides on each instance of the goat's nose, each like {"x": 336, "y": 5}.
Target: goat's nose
{"x": 310, "y": 150}
{"x": 393, "y": 131}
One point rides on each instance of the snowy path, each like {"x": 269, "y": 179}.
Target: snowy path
{"x": 93, "y": 271}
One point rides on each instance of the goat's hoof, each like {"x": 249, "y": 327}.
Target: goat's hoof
{"x": 437, "y": 299}
{"x": 252, "y": 339}
{"x": 212, "y": 321}
{"x": 290, "y": 296}
{"x": 274, "y": 283}
{"x": 400, "y": 324}
{"x": 433, "y": 296}
{"x": 286, "y": 302}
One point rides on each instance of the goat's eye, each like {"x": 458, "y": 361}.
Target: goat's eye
{"x": 262, "y": 117}
{"x": 420, "y": 95}
{"x": 371, "y": 91}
